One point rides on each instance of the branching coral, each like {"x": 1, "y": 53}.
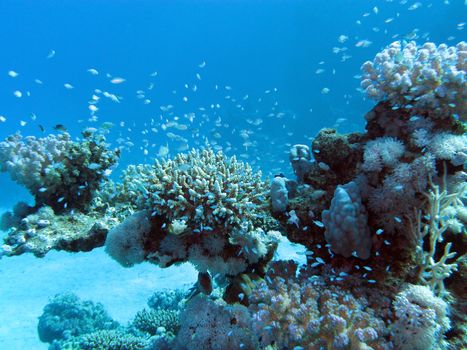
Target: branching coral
{"x": 57, "y": 171}
{"x": 149, "y": 321}
{"x": 203, "y": 188}
{"x": 301, "y": 314}
{"x": 426, "y": 79}
{"x": 200, "y": 207}
{"x": 104, "y": 340}
{"x": 215, "y": 325}
{"x": 434, "y": 223}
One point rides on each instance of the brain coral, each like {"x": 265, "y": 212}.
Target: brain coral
{"x": 427, "y": 79}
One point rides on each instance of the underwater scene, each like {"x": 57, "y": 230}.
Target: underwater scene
{"x": 233, "y": 174}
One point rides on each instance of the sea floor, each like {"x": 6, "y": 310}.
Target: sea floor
{"x": 28, "y": 282}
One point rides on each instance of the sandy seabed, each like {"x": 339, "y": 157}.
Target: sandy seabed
{"x": 28, "y": 282}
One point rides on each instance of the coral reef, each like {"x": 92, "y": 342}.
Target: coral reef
{"x": 66, "y": 316}
{"x": 421, "y": 319}
{"x": 43, "y": 230}
{"x": 427, "y": 79}
{"x": 104, "y": 340}
{"x": 215, "y": 325}
{"x": 204, "y": 189}
{"x": 381, "y": 214}
{"x": 58, "y": 171}
{"x": 199, "y": 207}
{"x": 291, "y": 313}
{"x": 149, "y": 321}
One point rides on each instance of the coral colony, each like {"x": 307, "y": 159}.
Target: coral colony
{"x": 381, "y": 214}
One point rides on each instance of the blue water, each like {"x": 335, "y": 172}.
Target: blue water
{"x": 267, "y": 50}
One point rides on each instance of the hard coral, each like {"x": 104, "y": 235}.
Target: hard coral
{"x": 427, "y": 79}
{"x": 202, "y": 208}
{"x": 57, "y": 171}
{"x": 289, "y": 313}
{"x": 208, "y": 324}
{"x": 66, "y": 316}
{"x": 421, "y": 319}
{"x": 205, "y": 189}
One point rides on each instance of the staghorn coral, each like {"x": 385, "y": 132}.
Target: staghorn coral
{"x": 57, "y": 171}
{"x": 427, "y": 79}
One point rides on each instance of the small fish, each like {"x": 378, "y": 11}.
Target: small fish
{"x": 51, "y": 54}
{"x": 60, "y": 127}
{"x": 68, "y": 86}
{"x": 117, "y": 80}
{"x": 41, "y": 127}
{"x": 18, "y": 93}
{"x": 94, "y": 166}
{"x": 2, "y": 119}
{"x": 342, "y": 38}
{"x": 93, "y": 71}
{"x": 415, "y": 6}
{"x": 363, "y": 43}
{"x": 12, "y": 74}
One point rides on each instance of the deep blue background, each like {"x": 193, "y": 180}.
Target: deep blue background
{"x": 251, "y": 46}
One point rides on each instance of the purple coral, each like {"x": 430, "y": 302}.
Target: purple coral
{"x": 346, "y": 223}
{"x": 292, "y": 313}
